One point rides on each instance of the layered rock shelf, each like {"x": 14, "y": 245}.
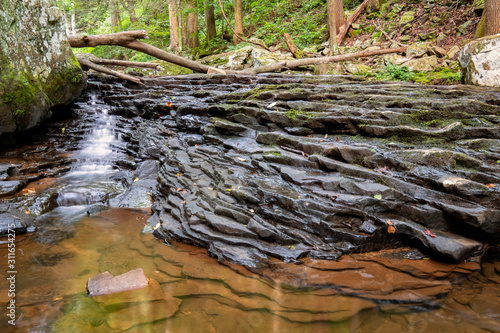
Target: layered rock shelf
{"x": 291, "y": 167}
{"x": 302, "y": 166}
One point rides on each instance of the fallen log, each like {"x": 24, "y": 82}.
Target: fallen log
{"x": 89, "y": 64}
{"x": 128, "y": 40}
{"x": 123, "y": 63}
{"x": 347, "y": 24}
{"x": 288, "y": 64}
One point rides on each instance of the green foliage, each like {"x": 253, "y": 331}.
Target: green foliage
{"x": 396, "y": 73}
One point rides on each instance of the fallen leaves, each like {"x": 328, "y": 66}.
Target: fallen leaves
{"x": 334, "y": 197}
{"x": 378, "y": 196}
{"x": 429, "y": 233}
{"x": 28, "y": 191}
{"x": 241, "y": 159}
{"x": 391, "y": 228}
{"x": 169, "y": 104}
{"x": 490, "y": 185}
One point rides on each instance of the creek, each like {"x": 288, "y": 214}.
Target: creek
{"x": 260, "y": 204}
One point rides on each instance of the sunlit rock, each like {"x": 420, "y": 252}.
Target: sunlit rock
{"x": 479, "y": 63}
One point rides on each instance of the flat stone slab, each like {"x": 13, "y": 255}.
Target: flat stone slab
{"x": 105, "y": 283}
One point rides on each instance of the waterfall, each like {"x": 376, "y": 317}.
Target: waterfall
{"x": 89, "y": 180}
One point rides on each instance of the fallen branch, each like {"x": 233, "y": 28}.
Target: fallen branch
{"x": 387, "y": 36}
{"x": 347, "y": 24}
{"x": 297, "y": 53}
{"x": 300, "y": 152}
{"x": 234, "y": 32}
{"x": 135, "y": 64}
{"x": 287, "y": 64}
{"x": 89, "y": 64}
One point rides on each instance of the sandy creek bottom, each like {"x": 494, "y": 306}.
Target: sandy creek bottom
{"x": 52, "y": 273}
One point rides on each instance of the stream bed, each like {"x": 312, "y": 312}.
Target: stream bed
{"x": 249, "y": 214}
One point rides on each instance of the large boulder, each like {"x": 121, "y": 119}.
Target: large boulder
{"x": 479, "y": 62}
{"x": 37, "y": 67}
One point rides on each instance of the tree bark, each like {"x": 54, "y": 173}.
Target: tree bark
{"x": 114, "y": 14}
{"x": 332, "y": 27}
{"x": 192, "y": 24}
{"x": 182, "y": 23}
{"x": 492, "y": 17}
{"x": 339, "y": 14}
{"x": 209, "y": 19}
{"x": 173, "y": 17}
{"x": 238, "y": 20}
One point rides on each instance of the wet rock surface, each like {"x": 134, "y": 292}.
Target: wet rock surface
{"x": 290, "y": 167}
{"x": 301, "y": 166}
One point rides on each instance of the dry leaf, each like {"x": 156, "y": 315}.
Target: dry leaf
{"x": 490, "y": 185}
{"x": 326, "y": 136}
{"x": 241, "y": 159}
{"x": 429, "y": 233}
{"x": 334, "y": 197}
{"x": 338, "y": 139}
{"x": 321, "y": 140}
{"x": 179, "y": 189}
{"x": 27, "y": 212}
{"x": 390, "y": 229}
{"x": 169, "y": 104}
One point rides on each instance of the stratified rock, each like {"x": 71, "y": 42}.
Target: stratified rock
{"x": 38, "y": 68}
{"x": 479, "y": 63}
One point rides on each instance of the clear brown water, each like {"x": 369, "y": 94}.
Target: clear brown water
{"x": 52, "y": 276}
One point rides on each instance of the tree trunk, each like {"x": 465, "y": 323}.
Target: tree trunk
{"x": 114, "y": 14}
{"x": 173, "y": 17}
{"x": 332, "y": 26}
{"x": 129, "y": 5}
{"x": 209, "y": 19}
{"x": 339, "y": 14}
{"x": 238, "y": 20}
{"x": 182, "y": 23}
{"x": 192, "y": 24}
{"x": 492, "y": 17}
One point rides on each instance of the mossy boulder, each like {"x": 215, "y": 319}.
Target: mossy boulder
{"x": 479, "y": 63}
{"x": 37, "y": 67}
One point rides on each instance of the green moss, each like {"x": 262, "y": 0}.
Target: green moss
{"x": 274, "y": 153}
{"x": 19, "y": 114}
{"x": 77, "y": 78}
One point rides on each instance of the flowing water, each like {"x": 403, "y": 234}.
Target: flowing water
{"x": 355, "y": 294}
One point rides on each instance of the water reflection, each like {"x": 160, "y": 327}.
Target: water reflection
{"x": 55, "y": 263}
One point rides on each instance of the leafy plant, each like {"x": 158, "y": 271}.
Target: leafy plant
{"x": 396, "y": 73}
